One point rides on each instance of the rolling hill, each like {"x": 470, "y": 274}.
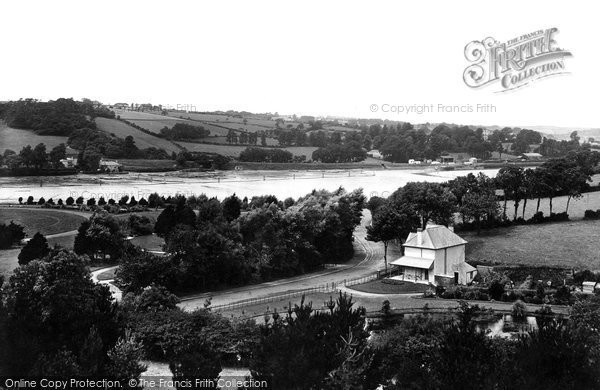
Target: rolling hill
{"x": 142, "y": 140}
{"x": 16, "y": 139}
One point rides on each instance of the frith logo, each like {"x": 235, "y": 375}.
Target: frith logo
{"x": 515, "y": 63}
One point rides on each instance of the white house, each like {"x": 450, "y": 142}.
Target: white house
{"x": 435, "y": 255}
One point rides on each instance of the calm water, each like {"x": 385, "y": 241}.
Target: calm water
{"x": 220, "y": 184}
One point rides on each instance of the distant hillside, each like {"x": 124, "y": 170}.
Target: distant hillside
{"x": 142, "y": 140}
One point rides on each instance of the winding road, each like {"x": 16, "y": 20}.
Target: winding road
{"x": 368, "y": 258}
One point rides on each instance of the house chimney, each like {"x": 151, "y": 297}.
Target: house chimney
{"x": 451, "y": 228}
{"x": 419, "y": 236}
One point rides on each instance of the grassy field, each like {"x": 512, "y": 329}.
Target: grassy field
{"x": 142, "y": 140}
{"x": 150, "y": 242}
{"x": 378, "y": 287}
{"x": 15, "y": 139}
{"x": 565, "y": 244}
{"x": 577, "y": 207}
{"x": 43, "y": 220}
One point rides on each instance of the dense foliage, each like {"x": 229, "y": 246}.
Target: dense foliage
{"x": 266, "y": 155}
{"x": 59, "y": 117}
{"x": 10, "y": 234}
{"x": 225, "y": 245}
{"x": 184, "y": 131}
{"x": 56, "y": 321}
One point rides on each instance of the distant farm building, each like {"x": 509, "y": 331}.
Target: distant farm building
{"x": 531, "y": 156}
{"x": 110, "y": 166}
{"x": 447, "y": 159}
{"x": 435, "y": 255}
{"x": 69, "y": 162}
{"x": 374, "y": 153}
{"x": 121, "y": 106}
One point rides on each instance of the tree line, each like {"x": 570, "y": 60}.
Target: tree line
{"x": 475, "y": 200}
{"x": 59, "y": 117}
{"x": 184, "y": 131}
{"x": 35, "y": 157}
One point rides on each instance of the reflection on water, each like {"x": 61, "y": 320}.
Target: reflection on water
{"x": 220, "y": 184}
{"x": 505, "y": 326}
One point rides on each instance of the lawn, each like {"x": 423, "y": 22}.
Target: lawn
{"x": 142, "y": 140}
{"x": 379, "y": 287}
{"x": 45, "y": 221}
{"x": 564, "y": 244}
{"x": 15, "y": 139}
{"x": 150, "y": 242}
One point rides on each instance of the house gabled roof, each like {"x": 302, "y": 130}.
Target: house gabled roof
{"x": 435, "y": 237}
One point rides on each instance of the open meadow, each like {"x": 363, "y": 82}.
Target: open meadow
{"x": 45, "y": 221}
{"x": 16, "y": 139}
{"x": 563, "y": 244}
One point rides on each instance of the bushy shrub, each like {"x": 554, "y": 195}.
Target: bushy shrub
{"x": 496, "y": 290}
{"x": 519, "y": 310}
{"x": 537, "y": 217}
{"x": 439, "y": 290}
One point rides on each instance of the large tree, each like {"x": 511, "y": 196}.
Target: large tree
{"x": 390, "y": 223}
{"x": 36, "y": 248}
{"x": 430, "y": 201}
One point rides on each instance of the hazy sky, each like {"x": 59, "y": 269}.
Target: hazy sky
{"x": 304, "y": 57}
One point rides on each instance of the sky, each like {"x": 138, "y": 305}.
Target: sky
{"x": 338, "y": 58}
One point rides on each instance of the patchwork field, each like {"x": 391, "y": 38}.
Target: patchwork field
{"x": 16, "y": 139}
{"x": 565, "y": 244}
{"x": 142, "y": 140}
{"x": 218, "y": 125}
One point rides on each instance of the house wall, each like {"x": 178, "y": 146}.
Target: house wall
{"x": 446, "y": 258}
{"x": 418, "y": 252}
{"x": 418, "y": 275}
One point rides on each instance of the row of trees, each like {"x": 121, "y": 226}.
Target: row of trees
{"x": 184, "y": 131}
{"x": 214, "y": 244}
{"x": 350, "y": 151}
{"x": 567, "y": 175}
{"x": 35, "y": 157}
{"x": 266, "y": 155}
{"x": 246, "y": 137}
{"x": 475, "y": 199}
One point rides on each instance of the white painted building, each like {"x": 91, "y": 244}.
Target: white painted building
{"x": 435, "y": 255}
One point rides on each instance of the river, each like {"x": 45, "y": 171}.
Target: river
{"x": 282, "y": 184}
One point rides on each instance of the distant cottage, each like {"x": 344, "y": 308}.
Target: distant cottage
{"x": 435, "y": 255}
{"x": 110, "y": 166}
